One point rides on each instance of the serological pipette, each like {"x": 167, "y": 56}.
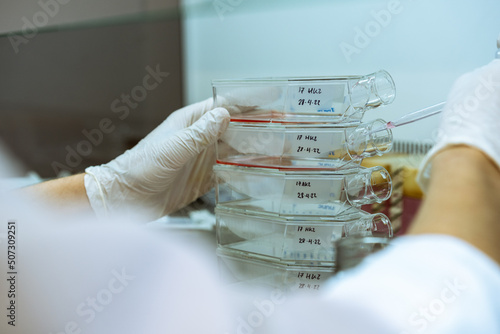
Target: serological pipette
{"x": 422, "y": 113}
{"x": 412, "y": 117}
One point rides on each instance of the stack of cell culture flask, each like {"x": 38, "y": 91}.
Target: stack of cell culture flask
{"x": 289, "y": 180}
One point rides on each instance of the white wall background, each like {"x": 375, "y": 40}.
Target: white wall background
{"x": 425, "y": 46}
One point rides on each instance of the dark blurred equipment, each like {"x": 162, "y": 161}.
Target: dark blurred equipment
{"x": 80, "y": 96}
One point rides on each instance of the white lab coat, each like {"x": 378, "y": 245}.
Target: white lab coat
{"x": 79, "y": 275}
{"x": 419, "y": 284}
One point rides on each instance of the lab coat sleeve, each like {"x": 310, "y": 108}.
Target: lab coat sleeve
{"x": 419, "y": 284}
{"x": 109, "y": 277}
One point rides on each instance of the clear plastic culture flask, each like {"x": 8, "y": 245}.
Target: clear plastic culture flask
{"x": 300, "y": 192}
{"x": 298, "y": 240}
{"x": 325, "y": 99}
{"x": 350, "y": 252}
{"x": 292, "y": 145}
{"x": 241, "y": 270}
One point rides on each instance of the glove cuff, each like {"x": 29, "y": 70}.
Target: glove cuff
{"x": 424, "y": 172}
{"x": 95, "y": 194}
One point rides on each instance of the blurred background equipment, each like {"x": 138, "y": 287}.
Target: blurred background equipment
{"x": 73, "y": 91}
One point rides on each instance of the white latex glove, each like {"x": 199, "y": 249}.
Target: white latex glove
{"x": 470, "y": 117}
{"x": 168, "y": 169}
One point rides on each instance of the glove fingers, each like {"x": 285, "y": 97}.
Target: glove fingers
{"x": 195, "y": 180}
{"x": 179, "y": 120}
{"x": 188, "y": 115}
{"x": 188, "y": 143}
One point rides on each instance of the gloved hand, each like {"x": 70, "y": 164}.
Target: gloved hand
{"x": 470, "y": 117}
{"x": 168, "y": 169}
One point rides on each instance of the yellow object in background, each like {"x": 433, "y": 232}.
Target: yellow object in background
{"x": 410, "y": 186}
{"x": 407, "y": 162}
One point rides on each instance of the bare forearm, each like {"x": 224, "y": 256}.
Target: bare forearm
{"x": 66, "y": 194}
{"x": 463, "y": 200}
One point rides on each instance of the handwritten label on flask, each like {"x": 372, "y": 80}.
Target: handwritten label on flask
{"x": 315, "y": 241}
{"x": 315, "y": 144}
{"x": 315, "y": 98}
{"x": 313, "y": 190}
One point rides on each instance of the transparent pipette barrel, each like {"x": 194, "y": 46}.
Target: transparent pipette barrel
{"x": 411, "y": 117}
{"x": 420, "y": 114}
{"x": 364, "y": 142}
